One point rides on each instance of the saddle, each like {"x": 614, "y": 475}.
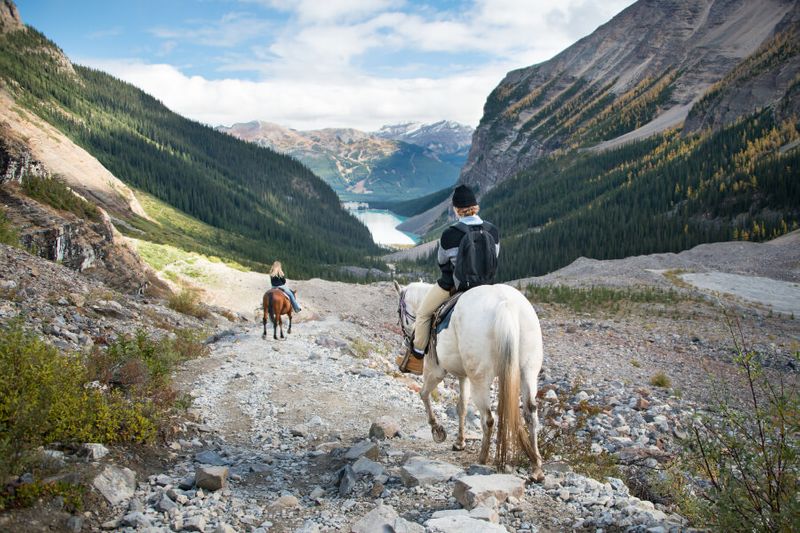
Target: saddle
{"x": 440, "y": 322}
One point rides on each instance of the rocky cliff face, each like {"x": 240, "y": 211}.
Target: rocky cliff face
{"x": 636, "y": 75}
{"x": 9, "y": 17}
{"x": 92, "y": 247}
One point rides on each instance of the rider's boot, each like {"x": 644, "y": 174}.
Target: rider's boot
{"x": 411, "y": 362}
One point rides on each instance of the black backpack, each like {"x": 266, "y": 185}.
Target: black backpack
{"x": 476, "y": 260}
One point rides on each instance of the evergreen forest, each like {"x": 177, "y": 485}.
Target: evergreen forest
{"x": 268, "y": 200}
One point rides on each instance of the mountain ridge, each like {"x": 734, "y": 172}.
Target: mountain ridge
{"x": 397, "y": 162}
{"x": 650, "y": 58}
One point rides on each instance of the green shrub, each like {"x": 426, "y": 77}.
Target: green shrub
{"x": 8, "y": 234}
{"x": 44, "y": 398}
{"x": 187, "y": 302}
{"x": 750, "y": 453}
{"x": 600, "y": 298}
{"x": 55, "y": 193}
{"x": 27, "y": 494}
{"x": 660, "y": 379}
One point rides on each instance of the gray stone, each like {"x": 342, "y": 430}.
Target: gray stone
{"x": 224, "y": 528}
{"x": 195, "y": 523}
{"x": 135, "y": 519}
{"x": 487, "y": 513}
{"x": 460, "y": 524}
{"x": 482, "y": 470}
{"x": 380, "y": 519}
{"x": 211, "y": 477}
{"x": 364, "y": 448}
{"x": 317, "y": 493}
{"x": 186, "y": 483}
{"x": 74, "y": 524}
{"x": 93, "y": 451}
{"x": 421, "y": 471}
{"x": 551, "y": 395}
{"x": 385, "y": 427}
{"x": 209, "y": 457}
{"x": 582, "y": 396}
{"x": 347, "y": 480}
{"x": 364, "y": 465}
{"x": 471, "y": 491}
{"x": 165, "y": 504}
{"x": 286, "y": 501}
{"x": 117, "y": 485}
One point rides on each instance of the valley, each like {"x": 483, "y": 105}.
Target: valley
{"x": 644, "y": 181}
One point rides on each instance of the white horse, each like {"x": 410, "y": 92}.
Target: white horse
{"x": 493, "y": 332}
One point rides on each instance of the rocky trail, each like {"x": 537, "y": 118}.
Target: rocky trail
{"x": 295, "y": 433}
{"x": 318, "y": 432}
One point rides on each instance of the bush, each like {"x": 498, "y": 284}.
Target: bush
{"x": 8, "y": 234}
{"x": 660, "y": 379}
{"x": 188, "y": 302}
{"x": 44, "y": 398}
{"x": 750, "y": 454}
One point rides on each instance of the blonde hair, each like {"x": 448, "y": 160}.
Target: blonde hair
{"x": 467, "y": 211}
{"x": 276, "y": 270}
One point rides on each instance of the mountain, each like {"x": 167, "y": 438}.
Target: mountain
{"x": 637, "y": 75}
{"x": 447, "y": 139}
{"x": 675, "y": 124}
{"x": 254, "y": 204}
{"x": 365, "y": 166}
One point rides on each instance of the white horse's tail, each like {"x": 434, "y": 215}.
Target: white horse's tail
{"x": 511, "y": 432}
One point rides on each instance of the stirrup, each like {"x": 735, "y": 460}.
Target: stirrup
{"x": 409, "y": 364}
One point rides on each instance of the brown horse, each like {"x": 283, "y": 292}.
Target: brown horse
{"x": 276, "y": 304}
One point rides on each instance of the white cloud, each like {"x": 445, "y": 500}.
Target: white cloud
{"x": 364, "y": 103}
{"x": 311, "y": 72}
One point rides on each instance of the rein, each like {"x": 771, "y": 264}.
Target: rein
{"x": 405, "y": 318}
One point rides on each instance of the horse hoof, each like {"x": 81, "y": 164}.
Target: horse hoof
{"x": 458, "y": 447}
{"x": 439, "y": 434}
{"x": 537, "y": 476}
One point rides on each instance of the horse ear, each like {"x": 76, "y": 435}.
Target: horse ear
{"x": 397, "y": 287}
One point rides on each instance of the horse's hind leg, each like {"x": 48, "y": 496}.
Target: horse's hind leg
{"x": 264, "y": 320}
{"x": 530, "y": 411}
{"x": 280, "y": 323}
{"x": 432, "y": 376}
{"x": 463, "y": 399}
{"x": 482, "y": 398}
{"x": 290, "y": 324}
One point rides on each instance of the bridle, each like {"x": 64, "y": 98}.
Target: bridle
{"x": 405, "y": 318}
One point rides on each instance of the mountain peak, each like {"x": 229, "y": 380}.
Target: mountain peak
{"x": 9, "y": 17}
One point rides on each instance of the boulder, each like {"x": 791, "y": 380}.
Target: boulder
{"x": 211, "y": 477}
{"x": 422, "y": 471}
{"x": 364, "y": 465}
{"x": 195, "y": 523}
{"x": 364, "y": 448}
{"x": 117, "y": 485}
{"x": 471, "y": 491}
{"x": 93, "y": 451}
{"x": 384, "y": 519}
{"x": 385, "y": 427}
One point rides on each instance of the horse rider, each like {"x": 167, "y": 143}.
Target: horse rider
{"x": 466, "y": 209}
{"x": 278, "y": 280}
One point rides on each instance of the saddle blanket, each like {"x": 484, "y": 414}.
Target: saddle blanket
{"x": 441, "y": 319}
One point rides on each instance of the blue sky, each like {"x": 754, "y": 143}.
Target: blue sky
{"x": 317, "y": 63}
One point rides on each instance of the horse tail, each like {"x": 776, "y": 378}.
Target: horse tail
{"x": 511, "y": 432}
